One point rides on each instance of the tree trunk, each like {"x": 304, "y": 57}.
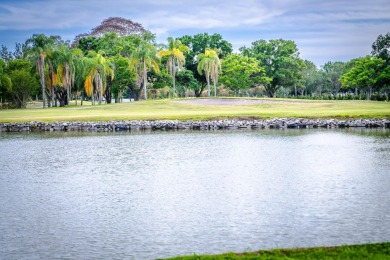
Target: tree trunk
{"x": 41, "y": 67}
{"x": 100, "y": 89}
{"x": 145, "y": 78}
{"x": 208, "y": 83}
{"x": 173, "y": 77}
{"x": 67, "y": 83}
{"x": 295, "y": 88}
{"x": 215, "y": 88}
{"x": 52, "y": 95}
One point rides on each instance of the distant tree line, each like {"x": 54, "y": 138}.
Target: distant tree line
{"x": 119, "y": 58}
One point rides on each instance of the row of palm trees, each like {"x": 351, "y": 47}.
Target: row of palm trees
{"x": 61, "y": 68}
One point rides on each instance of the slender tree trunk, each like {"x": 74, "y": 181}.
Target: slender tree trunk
{"x": 295, "y": 88}
{"x": 41, "y": 67}
{"x": 67, "y": 82}
{"x": 173, "y": 77}
{"x": 100, "y": 90}
{"x": 145, "y": 79}
{"x": 215, "y": 88}
{"x": 208, "y": 83}
{"x": 52, "y": 95}
{"x": 50, "y": 98}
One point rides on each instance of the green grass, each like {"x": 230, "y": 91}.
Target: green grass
{"x": 172, "y": 109}
{"x": 365, "y": 251}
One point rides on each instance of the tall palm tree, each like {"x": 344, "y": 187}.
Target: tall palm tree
{"x": 38, "y": 47}
{"x": 175, "y": 56}
{"x": 210, "y": 64}
{"x": 97, "y": 70}
{"x": 64, "y": 60}
{"x": 143, "y": 59}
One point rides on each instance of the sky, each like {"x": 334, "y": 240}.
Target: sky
{"x": 325, "y": 30}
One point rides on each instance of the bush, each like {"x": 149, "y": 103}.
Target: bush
{"x": 378, "y": 97}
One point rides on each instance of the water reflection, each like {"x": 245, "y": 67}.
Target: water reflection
{"x": 142, "y": 196}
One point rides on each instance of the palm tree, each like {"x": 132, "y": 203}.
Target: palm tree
{"x": 142, "y": 59}
{"x": 38, "y": 47}
{"x": 97, "y": 70}
{"x": 175, "y": 56}
{"x": 64, "y": 60}
{"x": 210, "y": 64}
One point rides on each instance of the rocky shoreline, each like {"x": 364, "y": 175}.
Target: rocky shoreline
{"x": 232, "y": 124}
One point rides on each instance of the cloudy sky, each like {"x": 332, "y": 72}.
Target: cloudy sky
{"x": 324, "y": 30}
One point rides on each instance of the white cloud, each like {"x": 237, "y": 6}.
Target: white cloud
{"x": 331, "y": 28}
{"x": 172, "y": 14}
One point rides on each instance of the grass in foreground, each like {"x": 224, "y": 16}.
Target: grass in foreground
{"x": 365, "y": 251}
{"x": 174, "y": 109}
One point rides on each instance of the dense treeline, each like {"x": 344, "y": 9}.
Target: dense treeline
{"x": 119, "y": 58}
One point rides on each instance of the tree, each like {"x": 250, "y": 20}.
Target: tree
{"x": 124, "y": 77}
{"x": 64, "y": 61}
{"x": 280, "y": 58}
{"x": 364, "y": 75}
{"x": 23, "y": 82}
{"x": 5, "y": 82}
{"x": 381, "y": 47}
{"x": 209, "y": 63}
{"x": 142, "y": 60}
{"x": 5, "y": 55}
{"x": 332, "y": 73}
{"x": 197, "y": 45}
{"x": 175, "y": 56}
{"x": 241, "y": 72}
{"x": 186, "y": 80}
{"x": 383, "y": 80}
{"x": 118, "y": 25}
{"x": 310, "y": 78}
{"x": 37, "y": 48}
{"x": 98, "y": 69}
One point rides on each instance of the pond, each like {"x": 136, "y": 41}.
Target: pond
{"x": 162, "y": 194}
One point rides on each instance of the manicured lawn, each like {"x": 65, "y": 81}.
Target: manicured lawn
{"x": 181, "y": 110}
{"x": 365, "y": 251}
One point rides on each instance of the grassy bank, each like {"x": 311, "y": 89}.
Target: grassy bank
{"x": 181, "y": 110}
{"x": 365, "y": 251}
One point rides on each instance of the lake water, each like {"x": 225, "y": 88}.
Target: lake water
{"x": 161, "y": 194}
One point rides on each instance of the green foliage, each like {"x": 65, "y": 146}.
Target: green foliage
{"x": 24, "y": 84}
{"x": 381, "y": 47}
{"x": 332, "y": 74}
{"x": 281, "y": 61}
{"x": 124, "y": 76}
{"x": 175, "y": 57}
{"x": 37, "y": 48}
{"x": 5, "y": 82}
{"x": 187, "y": 81}
{"x": 144, "y": 58}
{"x": 241, "y": 72}
{"x": 5, "y": 55}
{"x": 383, "y": 80}
{"x": 159, "y": 80}
{"x": 364, "y": 75}
{"x": 209, "y": 63}
{"x": 197, "y": 45}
